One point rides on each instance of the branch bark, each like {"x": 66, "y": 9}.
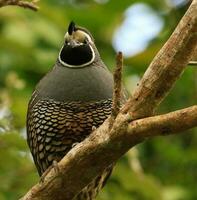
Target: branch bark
{"x": 25, "y": 4}
{"x": 104, "y": 146}
{"x": 166, "y": 67}
{"x": 173, "y": 122}
{"x": 107, "y": 149}
{"x": 116, "y": 102}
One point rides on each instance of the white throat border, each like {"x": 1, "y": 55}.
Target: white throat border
{"x": 77, "y": 66}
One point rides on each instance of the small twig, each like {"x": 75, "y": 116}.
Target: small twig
{"x": 25, "y": 4}
{"x": 194, "y": 63}
{"x": 117, "y": 86}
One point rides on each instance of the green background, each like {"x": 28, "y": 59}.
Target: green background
{"x": 163, "y": 168}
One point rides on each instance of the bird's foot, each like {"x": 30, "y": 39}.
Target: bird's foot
{"x": 53, "y": 166}
{"x": 56, "y": 167}
{"x": 75, "y": 144}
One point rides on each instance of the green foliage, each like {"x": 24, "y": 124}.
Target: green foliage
{"x": 16, "y": 169}
{"x": 29, "y": 45}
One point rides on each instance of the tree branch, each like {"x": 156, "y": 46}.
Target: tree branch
{"x": 117, "y": 88}
{"x": 106, "y": 149}
{"x": 103, "y": 147}
{"x": 174, "y": 122}
{"x": 25, "y": 4}
{"x": 166, "y": 67}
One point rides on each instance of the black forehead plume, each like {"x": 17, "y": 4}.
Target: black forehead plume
{"x": 71, "y": 28}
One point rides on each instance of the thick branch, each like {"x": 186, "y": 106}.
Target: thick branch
{"x": 166, "y": 67}
{"x": 100, "y": 150}
{"x": 170, "y": 123}
{"x": 25, "y": 4}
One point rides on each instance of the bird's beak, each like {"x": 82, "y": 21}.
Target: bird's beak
{"x": 73, "y": 43}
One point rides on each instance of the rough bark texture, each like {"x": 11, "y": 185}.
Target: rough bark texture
{"x": 117, "y": 85}
{"x": 25, "y": 4}
{"x": 173, "y": 122}
{"x": 166, "y": 67}
{"x": 107, "y": 148}
{"x": 104, "y": 146}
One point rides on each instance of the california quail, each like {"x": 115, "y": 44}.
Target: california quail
{"x": 73, "y": 97}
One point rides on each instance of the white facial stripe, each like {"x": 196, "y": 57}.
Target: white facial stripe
{"x": 86, "y": 35}
{"x": 76, "y": 66}
{"x": 80, "y": 32}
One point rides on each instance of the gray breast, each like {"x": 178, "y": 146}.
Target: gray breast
{"x": 76, "y": 84}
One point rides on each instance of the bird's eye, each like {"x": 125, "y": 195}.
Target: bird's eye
{"x": 86, "y": 41}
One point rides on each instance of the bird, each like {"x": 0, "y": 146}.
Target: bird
{"x": 71, "y": 99}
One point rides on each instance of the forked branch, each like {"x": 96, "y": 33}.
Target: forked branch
{"x": 107, "y": 148}
{"x": 166, "y": 67}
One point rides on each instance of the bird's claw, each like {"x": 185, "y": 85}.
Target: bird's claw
{"x": 74, "y": 144}
{"x": 53, "y": 166}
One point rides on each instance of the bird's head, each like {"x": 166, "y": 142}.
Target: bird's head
{"x": 78, "y": 49}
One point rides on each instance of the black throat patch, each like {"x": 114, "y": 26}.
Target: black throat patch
{"x": 78, "y": 55}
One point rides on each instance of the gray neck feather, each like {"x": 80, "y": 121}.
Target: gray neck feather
{"x": 91, "y": 83}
